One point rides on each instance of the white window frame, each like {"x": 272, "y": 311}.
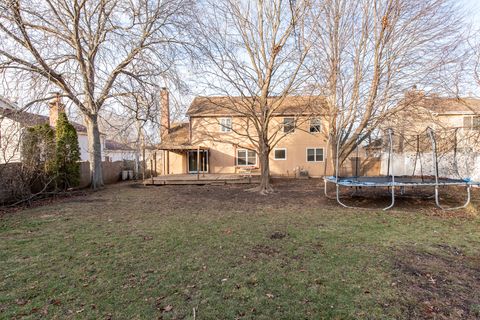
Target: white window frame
{"x": 225, "y": 127}
{"x": 319, "y": 124}
{"x": 246, "y": 160}
{"x": 279, "y": 159}
{"x": 315, "y": 154}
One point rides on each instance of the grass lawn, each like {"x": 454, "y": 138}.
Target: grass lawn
{"x": 132, "y": 252}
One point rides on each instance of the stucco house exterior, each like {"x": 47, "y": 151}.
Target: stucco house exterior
{"x": 13, "y": 121}
{"x": 439, "y": 113}
{"x": 462, "y": 113}
{"x": 215, "y": 139}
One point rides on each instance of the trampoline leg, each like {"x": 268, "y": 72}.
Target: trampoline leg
{"x": 325, "y": 187}
{"x": 437, "y": 200}
{"x": 325, "y": 191}
{"x": 393, "y": 199}
{"x": 338, "y": 198}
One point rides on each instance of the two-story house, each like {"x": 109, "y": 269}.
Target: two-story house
{"x": 220, "y": 138}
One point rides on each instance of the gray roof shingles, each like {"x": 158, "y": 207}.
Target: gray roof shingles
{"x": 29, "y": 119}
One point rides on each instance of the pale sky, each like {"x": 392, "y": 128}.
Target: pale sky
{"x": 473, "y": 9}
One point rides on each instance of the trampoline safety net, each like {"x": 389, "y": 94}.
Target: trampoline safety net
{"x": 397, "y": 160}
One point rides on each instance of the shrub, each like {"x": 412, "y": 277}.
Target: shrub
{"x": 38, "y": 152}
{"x": 67, "y": 154}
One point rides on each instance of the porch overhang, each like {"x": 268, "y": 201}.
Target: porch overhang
{"x": 181, "y": 148}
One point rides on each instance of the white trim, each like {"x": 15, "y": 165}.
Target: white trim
{"x": 310, "y": 126}
{"x": 246, "y": 160}
{"x": 315, "y": 154}
{"x": 279, "y": 159}
{"x": 224, "y": 128}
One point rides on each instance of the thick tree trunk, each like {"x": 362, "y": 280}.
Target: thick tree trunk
{"x": 265, "y": 186}
{"x": 333, "y": 158}
{"x": 138, "y": 150}
{"x": 95, "y": 151}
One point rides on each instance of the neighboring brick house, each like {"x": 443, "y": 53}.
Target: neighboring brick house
{"x": 215, "y": 139}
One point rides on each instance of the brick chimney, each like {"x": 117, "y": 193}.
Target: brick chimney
{"x": 56, "y": 107}
{"x": 165, "y": 112}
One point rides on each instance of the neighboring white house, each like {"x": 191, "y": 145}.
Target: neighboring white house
{"x": 116, "y": 151}
{"x": 13, "y": 122}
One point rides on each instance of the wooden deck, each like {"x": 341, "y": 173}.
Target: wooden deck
{"x": 202, "y": 179}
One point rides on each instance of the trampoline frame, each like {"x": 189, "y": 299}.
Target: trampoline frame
{"x": 392, "y": 183}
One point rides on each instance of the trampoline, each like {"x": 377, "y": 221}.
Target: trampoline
{"x": 399, "y": 181}
{"x": 391, "y": 181}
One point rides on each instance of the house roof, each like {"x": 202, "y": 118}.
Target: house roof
{"x": 178, "y": 139}
{"x": 29, "y": 119}
{"x": 114, "y": 145}
{"x": 291, "y": 105}
{"x": 443, "y": 105}
{"x": 178, "y": 135}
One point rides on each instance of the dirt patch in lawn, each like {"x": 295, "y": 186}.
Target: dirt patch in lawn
{"x": 442, "y": 283}
{"x": 262, "y": 251}
{"x": 289, "y": 193}
{"x": 278, "y": 235}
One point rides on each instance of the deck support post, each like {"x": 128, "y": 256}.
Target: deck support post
{"x": 198, "y": 163}
{"x": 151, "y": 170}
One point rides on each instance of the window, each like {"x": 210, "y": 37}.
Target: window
{"x": 476, "y": 122}
{"x": 314, "y": 154}
{"x": 246, "y": 157}
{"x": 280, "y": 154}
{"x": 315, "y": 125}
{"x": 471, "y": 122}
{"x": 225, "y": 124}
{"x": 288, "y": 125}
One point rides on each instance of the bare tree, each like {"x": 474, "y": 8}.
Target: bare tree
{"x": 10, "y": 134}
{"x": 370, "y": 53}
{"x": 85, "y": 48}
{"x": 254, "y": 54}
{"x": 475, "y": 52}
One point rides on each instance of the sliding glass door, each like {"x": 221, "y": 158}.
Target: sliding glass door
{"x": 194, "y": 164}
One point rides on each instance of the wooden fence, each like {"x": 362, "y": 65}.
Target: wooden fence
{"x": 112, "y": 172}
